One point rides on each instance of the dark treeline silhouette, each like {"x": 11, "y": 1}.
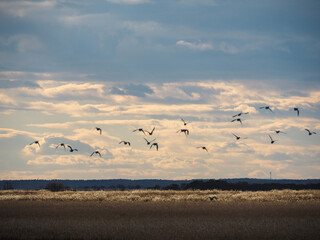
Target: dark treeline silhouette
{"x": 123, "y": 184}
{"x": 244, "y": 186}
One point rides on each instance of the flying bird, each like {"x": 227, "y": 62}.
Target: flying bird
{"x": 309, "y": 132}
{"x": 72, "y": 149}
{"x": 204, "y": 148}
{"x": 155, "y": 144}
{"x": 35, "y": 142}
{"x": 61, "y": 145}
{"x": 150, "y": 133}
{"x": 184, "y": 122}
{"x": 267, "y": 108}
{"x": 96, "y": 152}
{"x": 140, "y": 130}
{"x": 237, "y": 119}
{"x": 239, "y": 114}
{"x": 148, "y": 143}
{"x": 296, "y": 109}
{"x": 99, "y": 129}
{"x": 278, "y": 131}
{"x": 237, "y": 137}
{"x": 272, "y": 141}
{"x": 185, "y": 131}
{"x": 125, "y": 143}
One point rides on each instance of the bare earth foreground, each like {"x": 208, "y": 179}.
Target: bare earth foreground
{"x": 151, "y": 214}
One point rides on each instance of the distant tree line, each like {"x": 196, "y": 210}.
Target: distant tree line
{"x": 241, "y": 186}
{"x": 55, "y": 186}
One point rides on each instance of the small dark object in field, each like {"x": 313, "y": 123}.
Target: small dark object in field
{"x": 213, "y": 198}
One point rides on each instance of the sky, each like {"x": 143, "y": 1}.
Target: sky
{"x": 67, "y": 67}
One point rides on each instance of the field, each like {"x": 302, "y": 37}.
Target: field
{"x": 152, "y": 214}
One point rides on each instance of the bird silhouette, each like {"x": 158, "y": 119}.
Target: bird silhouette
{"x": 150, "y": 133}
{"x": 239, "y": 114}
{"x": 309, "y": 132}
{"x": 125, "y": 143}
{"x": 96, "y": 152}
{"x": 213, "y": 198}
{"x": 237, "y": 137}
{"x": 148, "y": 143}
{"x": 184, "y": 122}
{"x": 279, "y": 131}
{"x": 35, "y": 142}
{"x": 99, "y": 129}
{"x": 237, "y": 119}
{"x": 204, "y": 148}
{"x": 185, "y": 131}
{"x": 72, "y": 149}
{"x": 296, "y": 109}
{"x": 140, "y": 130}
{"x": 267, "y": 108}
{"x": 272, "y": 141}
{"x": 61, "y": 145}
{"x": 155, "y": 144}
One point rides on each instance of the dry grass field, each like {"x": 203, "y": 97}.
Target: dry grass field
{"x": 151, "y": 214}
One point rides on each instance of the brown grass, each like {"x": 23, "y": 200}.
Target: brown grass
{"x": 147, "y": 214}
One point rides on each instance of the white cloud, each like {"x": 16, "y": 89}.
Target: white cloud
{"x": 195, "y": 46}
{"x": 25, "y": 8}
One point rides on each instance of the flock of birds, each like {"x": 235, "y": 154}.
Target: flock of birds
{"x": 152, "y": 143}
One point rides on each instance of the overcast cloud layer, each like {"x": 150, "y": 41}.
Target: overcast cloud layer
{"x": 67, "y": 67}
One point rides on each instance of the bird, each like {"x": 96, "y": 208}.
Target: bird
{"x": 61, "y": 145}
{"x": 150, "y": 133}
{"x": 213, "y": 198}
{"x": 155, "y": 144}
{"x": 267, "y": 107}
{"x": 149, "y": 142}
{"x": 185, "y": 131}
{"x": 272, "y": 141}
{"x": 296, "y": 109}
{"x": 35, "y": 142}
{"x": 204, "y": 148}
{"x": 237, "y": 119}
{"x": 278, "y": 131}
{"x": 239, "y": 114}
{"x": 310, "y": 133}
{"x": 125, "y": 143}
{"x": 96, "y": 152}
{"x": 99, "y": 129}
{"x": 72, "y": 149}
{"x": 237, "y": 137}
{"x": 184, "y": 122}
{"x": 140, "y": 130}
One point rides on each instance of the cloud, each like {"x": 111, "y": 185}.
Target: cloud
{"x": 25, "y": 8}
{"x": 195, "y": 46}
{"x": 6, "y": 100}
{"x": 23, "y": 43}
{"x": 18, "y": 84}
{"x": 138, "y": 90}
